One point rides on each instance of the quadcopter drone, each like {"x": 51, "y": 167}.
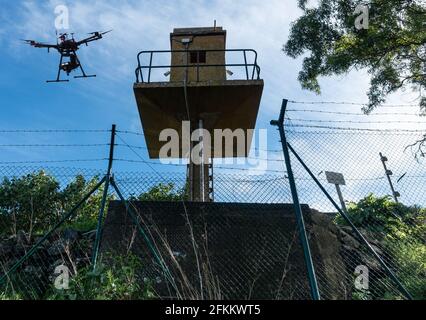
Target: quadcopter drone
{"x": 67, "y": 48}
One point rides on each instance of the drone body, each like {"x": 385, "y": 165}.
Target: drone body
{"x": 67, "y": 48}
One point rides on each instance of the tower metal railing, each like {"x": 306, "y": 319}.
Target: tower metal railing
{"x": 251, "y": 69}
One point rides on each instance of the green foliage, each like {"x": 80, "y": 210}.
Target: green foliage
{"x": 361, "y": 295}
{"x": 29, "y": 203}
{"x": 116, "y": 279}
{"x": 35, "y": 202}
{"x": 402, "y": 232}
{"x": 392, "y": 49}
{"x": 163, "y": 192}
{"x": 411, "y": 261}
{"x": 386, "y": 217}
{"x": 9, "y": 297}
{"x": 87, "y": 216}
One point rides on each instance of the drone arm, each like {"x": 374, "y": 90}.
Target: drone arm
{"x": 90, "y": 39}
{"x": 94, "y": 37}
{"x": 43, "y": 45}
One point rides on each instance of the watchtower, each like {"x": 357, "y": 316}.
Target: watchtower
{"x": 203, "y": 92}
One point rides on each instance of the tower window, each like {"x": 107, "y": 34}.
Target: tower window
{"x": 198, "y": 57}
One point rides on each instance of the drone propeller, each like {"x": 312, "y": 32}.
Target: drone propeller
{"x": 31, "y": 42}
{"x": 107, "y": 32}
{"x": 96, "y": 33}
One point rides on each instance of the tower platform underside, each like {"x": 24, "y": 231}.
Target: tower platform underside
{"x": 220, "y": 104}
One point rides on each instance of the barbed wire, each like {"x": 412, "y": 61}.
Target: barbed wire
{"x": 51, "y": 161}
{"x": 52, "y": 145}
{"x": 354, "y": 113}
{"x": 355, "y": 129}
{"x": 331, "y": 130}
{"x": 352, "y": 104}
{"x": 131, "y": 132}
{"x": 54, "y": 131}
{"x": 139, "y": 156}
{"x": 334, "y": 132}
{"x": 142, "y": 134}
{"x": 183, "y": 165}
{"x": 142, "y": 160}
{"x": 146, "y": 148}
{"x": 356, "y": 122}
{"x": 149, "y": 162}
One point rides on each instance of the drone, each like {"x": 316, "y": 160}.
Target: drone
{"x": 67, "y": 47}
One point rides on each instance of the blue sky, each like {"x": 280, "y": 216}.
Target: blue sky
{"x": 30, "y": 103}
{"x": 27, "y": 102}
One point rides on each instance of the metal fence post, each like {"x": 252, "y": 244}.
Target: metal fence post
{"x": 392, "y": 275}
{"x": 297, "y": 208}
{"x": 104, "y": 199}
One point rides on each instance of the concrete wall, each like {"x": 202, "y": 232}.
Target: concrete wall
{"x": 245, "y": 251}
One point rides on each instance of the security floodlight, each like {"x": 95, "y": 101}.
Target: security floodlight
{"x": 335, "y": 178}
{"x": 338, "y": 180}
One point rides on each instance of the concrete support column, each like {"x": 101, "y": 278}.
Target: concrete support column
{"x": 199, "y": 187}
{"x": 198, "y": 173}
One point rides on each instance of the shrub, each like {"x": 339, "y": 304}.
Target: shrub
{"x": 116, "y": 278}
{"x": 35, "y": 202}
{"x": 163, "y": 192}
{"x": 29, "y": 203}
{"x": 401, "y": 231}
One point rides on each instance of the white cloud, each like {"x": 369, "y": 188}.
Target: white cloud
{"x": 145, "y": 25}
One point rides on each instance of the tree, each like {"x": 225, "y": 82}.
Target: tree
{"x": 163, "y": 192}
{"x": 29, "y": 203}
{"x": 35, "y": 202}
{"x": 86, "y": 217}
{"x": 392, "y": 47}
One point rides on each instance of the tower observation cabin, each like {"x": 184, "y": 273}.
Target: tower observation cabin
{"x": 201, "y": 83}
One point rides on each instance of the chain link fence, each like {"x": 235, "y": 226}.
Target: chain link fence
{"x": 395, "y": 228}
{"x": 244, "y": 245}
{"x": 34, "y": 201}
{"x": 34, "y": 249}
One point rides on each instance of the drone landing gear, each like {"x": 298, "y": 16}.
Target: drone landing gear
{"x": 85, "y": 76}
{"x": 59, "y": 73}
{"x": 69, "y": 66}
{"x": 82, "y": 71}
{"x": 50, "y": 81}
